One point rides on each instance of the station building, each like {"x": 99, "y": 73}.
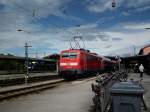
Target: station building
{"x": 145, "y": 50}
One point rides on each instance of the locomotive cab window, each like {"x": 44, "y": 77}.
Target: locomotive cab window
{"x": 73, "y": 55}
{"x": 69, "y": 55}
{"x": 65, "y": 55}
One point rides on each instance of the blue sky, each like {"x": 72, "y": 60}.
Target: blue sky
{"x": 48, "y": 25}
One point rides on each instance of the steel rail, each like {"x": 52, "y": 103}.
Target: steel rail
{"x": 6, "y": 94}
{"x": 18, "y": 91}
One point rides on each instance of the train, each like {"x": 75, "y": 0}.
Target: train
{"x": 74, "y": 63}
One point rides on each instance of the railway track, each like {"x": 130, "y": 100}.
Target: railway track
{"x": 30, "y": 88}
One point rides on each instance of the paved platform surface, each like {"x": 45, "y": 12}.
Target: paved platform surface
{"x": 146, "y": 84}
{"x": 74, "y": 96}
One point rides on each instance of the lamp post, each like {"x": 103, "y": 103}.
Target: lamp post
{"x": 20, "y": 30}
{"x": 26, "y": 58}
{"x": 134, "y": 50}
{"x": 27, "y": 62}
{"x": 148, "y": 28}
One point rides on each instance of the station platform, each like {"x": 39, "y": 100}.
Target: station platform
{"x": 14, "y": 76}
{"x": 145, "y": 81}
{"x": 21, "y": 86}
{"x": 15, "y": 79}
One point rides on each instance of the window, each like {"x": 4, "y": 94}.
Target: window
{"x": 69, "y": 55}
{"x": 65, "y": 55}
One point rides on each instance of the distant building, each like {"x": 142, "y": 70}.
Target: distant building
{"x": 53, "y": 56}
{"x": 145, "y": 50}
{"x": 146, "y": 60}
{"x": 14, "y": 64}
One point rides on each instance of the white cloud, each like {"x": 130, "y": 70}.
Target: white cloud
{"x": 136, "y": 26}
{"x": 102, "y": 42}
{"x": 131, "y": 27}
{"x": 126, "y": 13}
{"x": 41, "y": 8}
{"x": 17, "y": 13}
{"x": 100, "y": 6}
{"x": 143, "y": 8}
{"x": 137, "y": 3}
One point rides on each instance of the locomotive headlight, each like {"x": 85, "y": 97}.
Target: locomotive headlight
{"x": 69, "y": 64}
{"x": 63, "y": 64}
{"x": 74, "y": 64}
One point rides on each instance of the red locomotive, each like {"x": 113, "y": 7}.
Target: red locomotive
{"x": 74, "y": 63}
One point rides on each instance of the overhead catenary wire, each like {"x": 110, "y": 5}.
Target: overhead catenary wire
{"x": 20, "y": 7}
{"x": 75, "y": 42}
{"x": 33, "y": 12}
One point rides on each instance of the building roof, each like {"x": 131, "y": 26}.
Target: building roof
{"x": 5, "y": 57}
{"x": 145, "y": 50}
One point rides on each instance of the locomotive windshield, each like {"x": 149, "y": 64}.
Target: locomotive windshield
{"x": 69, "y": 55}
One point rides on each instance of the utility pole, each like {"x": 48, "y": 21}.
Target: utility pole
{"x": 26, "y": 62}
{"x": 36, "y": 54}
{"x": 134, "y": 50}
{"x": 148, "y": 28}
{"x": 44, "y": 54}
